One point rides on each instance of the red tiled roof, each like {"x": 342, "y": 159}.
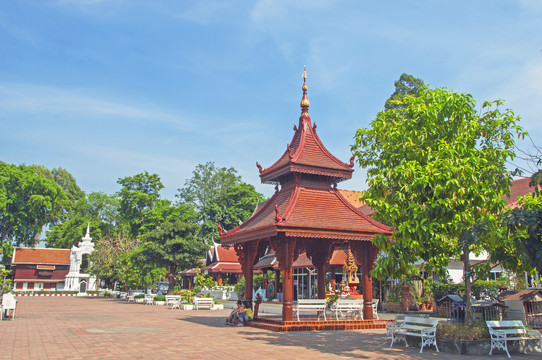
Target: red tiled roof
{"x": 518, "y": 188}
{"x": 307, "y": 154}
{"x": 226, "y": 254}
{"x": 352, "y": 197}
{"x": 41, "y": 256}
{"x": 233, "y": 268}
{"x": 524, "y": 295}
{"x": 314, "y": 212}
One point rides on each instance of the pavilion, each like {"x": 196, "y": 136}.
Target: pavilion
{"x": 306, "y": 213}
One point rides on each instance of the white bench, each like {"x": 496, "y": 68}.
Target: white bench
{"x": 348, "y": 306}
{"x": 317, "y": 306}
{"x": 374, "y": 304}
{"x": 203, "y": 303}
{"x": 394, "y": 325}
{"x": 510, "y": 330}
{"x": 149, "y": 299}
{"x": 426, "y": 329}
{"x": 8, "y": 303}
{"x": 173, "y": 301}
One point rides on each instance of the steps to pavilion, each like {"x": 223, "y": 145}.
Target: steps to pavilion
{"x": 316, "y": 325}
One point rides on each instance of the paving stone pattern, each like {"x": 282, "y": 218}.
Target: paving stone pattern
{"x": 97, "y": 328}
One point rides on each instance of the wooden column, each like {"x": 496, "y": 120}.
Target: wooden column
{"x": 289, "y": 247}
{"x": 319, "y": 251}
{"x": 365, "y": 253}
{"x": 247, "y": 253}
{"x": 286, "y": 253}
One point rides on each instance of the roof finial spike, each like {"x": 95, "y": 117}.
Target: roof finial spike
{"x": 87, "y": 235}
{"x": 305, "y": 100}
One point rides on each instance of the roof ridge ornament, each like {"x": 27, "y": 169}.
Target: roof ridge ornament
{"x": 277, "y": 215}
{"x": 260, "y": 169}
{"x": 221, "y": 231}
{"x": 304, "y": 100}
{"x": 352, "y": 160}
{"x": 290, "y": 153}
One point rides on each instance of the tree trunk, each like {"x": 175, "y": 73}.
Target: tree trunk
{"x": 171, "y": 288}
{"x": 466, "y": 275}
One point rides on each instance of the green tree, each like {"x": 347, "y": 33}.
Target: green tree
{"x": 436, "y": 171}
{"x": 525, "y": 227}
{"x": 174, "y": 245}
{"x": 219, "y": 196}
{"x": 28, "y": 202}
{"x": 98, "y": 209}
{"x": 138, "y": 196}
{"x": 207, "y": 185}
{"x": 406, "y": 85}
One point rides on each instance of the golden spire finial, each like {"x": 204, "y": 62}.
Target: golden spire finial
{"x": 305, "y": 100}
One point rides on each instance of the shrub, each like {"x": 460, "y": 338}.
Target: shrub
{"x": 160, "y": 298}
{"x": 394, "y": 299}
{"x": 202, "y": 281}
{"x": 459, "y": 331}
{"x": 239, "y": 288}
{"x": 440, "y": 289}
{"x": 140, "y": 296}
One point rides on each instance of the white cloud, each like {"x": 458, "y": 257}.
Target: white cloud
{"x": 37, "y": 99}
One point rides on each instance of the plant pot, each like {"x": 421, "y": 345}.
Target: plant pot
{"x": 139, "y": 300}
{"x": 159, "y": 303}
{"x": 188, "y": 307}
{"x": 218, "y": 307}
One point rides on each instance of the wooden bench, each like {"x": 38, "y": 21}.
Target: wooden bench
{"x": 348, "y": 306}
{"x": 510, "y": 330}
{"x": 172, "y": 301}
{"x": 317, "y": 306}
{"x": 426, "y": 329}
{"x": 203, "y": 303}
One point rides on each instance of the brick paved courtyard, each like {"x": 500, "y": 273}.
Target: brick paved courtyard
{"x": 95, "y": 328}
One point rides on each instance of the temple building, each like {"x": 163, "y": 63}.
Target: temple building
{"x": 222, "y": 264}
{"x": 307, "y": 214}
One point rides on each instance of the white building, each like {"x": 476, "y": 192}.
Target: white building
{"x": 77, "y": 279}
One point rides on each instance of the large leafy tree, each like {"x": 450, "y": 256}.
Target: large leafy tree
{"x": 219, "y": 196}
{"x": 98, "y": 209}
{"x": 138, "y": 196}
{"x": 436, "y": 172}
{"x": 406, "y": 85}
{"x": 174, "y": 245}
{"x": 28, "y": 202}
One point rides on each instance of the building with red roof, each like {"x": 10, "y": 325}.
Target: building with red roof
{"x": 222, "y": 264}
{"x": 306, "y": 214}
{"x": 39, "y": 269}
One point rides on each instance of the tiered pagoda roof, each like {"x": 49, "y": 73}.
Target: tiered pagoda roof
{"x": 308, "y": 205}
{"x": 306, "y": 154}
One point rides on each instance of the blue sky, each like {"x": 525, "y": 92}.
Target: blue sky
{"x": 108, "y": 89}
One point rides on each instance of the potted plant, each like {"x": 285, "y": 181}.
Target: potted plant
{"x": 139, "y": 298}
{"x": 188, "y": 306}
{"x": 159, "y": 300}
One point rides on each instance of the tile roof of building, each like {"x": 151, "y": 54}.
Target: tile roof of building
{"x": 315, "y": 212}
{"x": 41, "y": 256}
{"x": 518, "y": 188}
